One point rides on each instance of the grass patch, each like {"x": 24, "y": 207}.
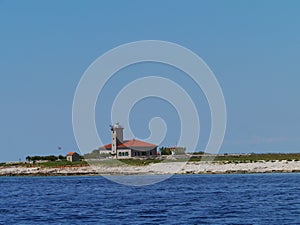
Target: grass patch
{"x": 139, "y": 162}
{"x": 11, "y": 164}
{"x": 122, "y": 162}
{"x": 104, "y": 162}
{"x": 61, "y": 164}
{"x": 253, "y": 157}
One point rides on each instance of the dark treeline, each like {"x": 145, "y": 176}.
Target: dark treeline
{"x": 175, "y": 150}
{"x": 48, "y": 157}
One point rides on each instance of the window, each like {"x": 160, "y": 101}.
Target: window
{"x": 123, "y": 154}
{"x": 144, "y": 153}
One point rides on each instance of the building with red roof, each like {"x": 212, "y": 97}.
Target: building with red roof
{"x": 127, "y": 148}
{"x": 73, "y": 157}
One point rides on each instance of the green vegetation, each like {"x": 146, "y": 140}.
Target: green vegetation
{"x": 228, "y": 158}
{"x": 139, "y": 162}
{"x": 63, "y": 163}
{"x": 120, "y": 162}
{"x": 201, "y": 153}
{"x": 243, "y": 158}
{"x": 46, "y": 161}
{"x": 48, "y": 157}
{"x": 49, "y": 164}
{"x": 11, "y": 164}
{"x": 176, "y": 150}
{"x": 165, "y": 151}
{"x": 95, "y": 155}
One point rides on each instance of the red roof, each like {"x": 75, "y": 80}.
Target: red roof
{"x": 71, "y": 153}
{"x": 130, "y": 144}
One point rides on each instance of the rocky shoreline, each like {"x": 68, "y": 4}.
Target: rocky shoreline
{"x": 158, "y": 168}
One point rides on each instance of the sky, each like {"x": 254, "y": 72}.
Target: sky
{"x": 253, "y": 48}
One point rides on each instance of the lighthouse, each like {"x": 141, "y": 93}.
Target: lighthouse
{"x": 117, "y": 137}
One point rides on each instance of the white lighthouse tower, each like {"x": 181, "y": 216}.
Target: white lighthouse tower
{"x": 117, "y": 137}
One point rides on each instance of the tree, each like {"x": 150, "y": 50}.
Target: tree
{"x": 61, "y": 157}
{"x": 165, "y": 151}
{"x": 49, "y": 158}
{"x": 174, "y": 150}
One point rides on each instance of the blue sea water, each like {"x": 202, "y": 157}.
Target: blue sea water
{"x": 182, "y": 199}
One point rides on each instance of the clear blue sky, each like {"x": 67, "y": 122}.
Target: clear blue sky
{"x": 253, "y": 47}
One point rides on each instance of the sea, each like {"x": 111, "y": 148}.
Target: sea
{"x": 181, "y": 199}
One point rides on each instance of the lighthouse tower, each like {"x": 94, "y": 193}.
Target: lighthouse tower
{"x": 116, "y": 136}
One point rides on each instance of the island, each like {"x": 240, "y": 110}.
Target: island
{"x": 196, "y": 163}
